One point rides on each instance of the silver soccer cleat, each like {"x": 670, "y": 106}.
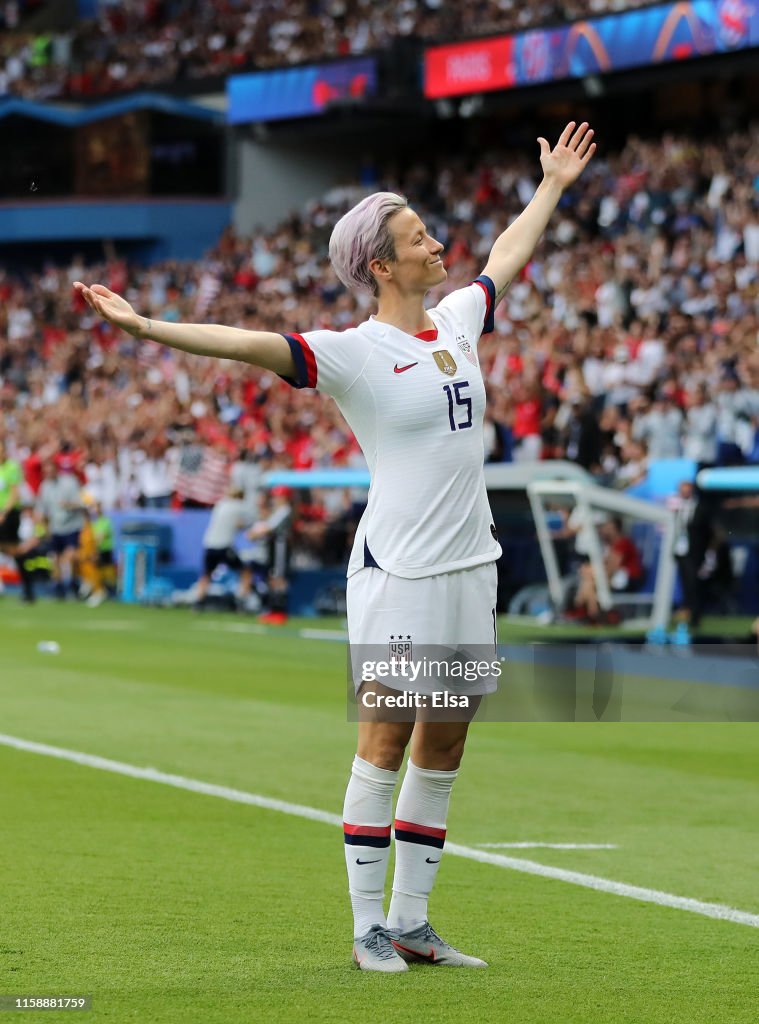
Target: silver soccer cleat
{"x": 374, "y": 952}
{"x": 424, "y": 945}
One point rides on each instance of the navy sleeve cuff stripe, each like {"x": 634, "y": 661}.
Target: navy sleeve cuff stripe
{"x": 489, "y": 288}
{"x": 305, "y": 364}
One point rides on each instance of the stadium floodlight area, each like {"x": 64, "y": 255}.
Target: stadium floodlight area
{"x": 591, "y": 499}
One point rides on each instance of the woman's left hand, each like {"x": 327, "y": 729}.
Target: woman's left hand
{"x": 570, "y": 156}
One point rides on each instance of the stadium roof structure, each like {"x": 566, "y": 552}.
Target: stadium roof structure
{"x": 74, "y": 117}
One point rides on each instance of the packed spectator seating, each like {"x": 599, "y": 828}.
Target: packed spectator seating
{"x": 145, "y": 43}
{"x": 632, "y": 334}
{"x": 13, "y": 13}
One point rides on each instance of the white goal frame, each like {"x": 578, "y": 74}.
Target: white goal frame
{"x": 589, "y": 497}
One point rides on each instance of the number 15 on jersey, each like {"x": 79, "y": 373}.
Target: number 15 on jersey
{"x": 456, "y": 402}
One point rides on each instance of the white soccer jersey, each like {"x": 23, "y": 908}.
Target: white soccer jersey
{"x": 416, "y": 405}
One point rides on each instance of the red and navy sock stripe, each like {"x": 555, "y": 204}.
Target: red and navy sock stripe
{"x": 367, "y": 835}
{"x": 305, "y": 362}
{"x": 424, "y": 835}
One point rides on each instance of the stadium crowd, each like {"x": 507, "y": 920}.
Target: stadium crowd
{"x": 144, "y": 43}
{"x": 631, "y": 336}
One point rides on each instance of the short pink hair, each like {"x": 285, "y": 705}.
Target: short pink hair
{"x": 363, "y": 235}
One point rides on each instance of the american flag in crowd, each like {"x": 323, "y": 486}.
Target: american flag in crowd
{"x": 202, "y": 474}
{"x": 209, "y": 287}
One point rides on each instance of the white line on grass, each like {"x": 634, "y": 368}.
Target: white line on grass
{"x": 104, "y": 625}
{"x": 528, "y": 867}
{"x": 178, "y": 781}
{"x": 323, "y": 634}
{"x": 233, "y": 627}
{"x": 108, "y": 625}
{"x": 548, "y": 846}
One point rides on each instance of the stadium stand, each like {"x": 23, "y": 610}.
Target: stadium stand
{"x": 630, "y": 337}
{"x": 136, "y": 44}
{"x": 627, "y": 344}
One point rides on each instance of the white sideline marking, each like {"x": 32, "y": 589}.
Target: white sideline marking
{"x": 233, "y": 627}
{"x": 178, "y": 781}
{"x": 323, "y": 634}
{"x": 715, "y": 910}
{"x": 117, "y": 625}
{"x": 548, "y": 846}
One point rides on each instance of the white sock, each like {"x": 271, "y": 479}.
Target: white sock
{"x": 367, "y": 815}
{"x": 420, "y": 819}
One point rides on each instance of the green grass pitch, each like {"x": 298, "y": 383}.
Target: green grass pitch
{"x": 173, "y": 906}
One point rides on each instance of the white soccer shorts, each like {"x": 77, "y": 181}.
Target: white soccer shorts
{"x": 448, "y": 616}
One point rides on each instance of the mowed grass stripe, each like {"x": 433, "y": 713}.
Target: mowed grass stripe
{"x": 175, "y": 910}
{"x": 712, "y": 910}
{"x": 267, "y": 715}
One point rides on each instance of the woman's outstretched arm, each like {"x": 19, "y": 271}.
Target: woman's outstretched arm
{"x": 561, "y": 165}
{"x": 259, "y": 348}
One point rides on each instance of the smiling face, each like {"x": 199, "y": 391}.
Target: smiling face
{"x": 418, "y": 264}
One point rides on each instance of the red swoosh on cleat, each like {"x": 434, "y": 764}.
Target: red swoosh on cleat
{"x": 402, "y": 369}
{"x": 415, "y": 952}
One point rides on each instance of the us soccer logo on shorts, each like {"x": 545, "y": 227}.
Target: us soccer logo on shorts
{"x": 399, "y": 648}
{"x": 445, "y": 362}
{"x": 466, "y": 348}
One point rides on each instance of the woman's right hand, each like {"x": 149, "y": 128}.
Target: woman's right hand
{"x": 112, "y": 307}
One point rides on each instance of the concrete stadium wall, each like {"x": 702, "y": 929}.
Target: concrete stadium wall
{"x": 273, "y": 179}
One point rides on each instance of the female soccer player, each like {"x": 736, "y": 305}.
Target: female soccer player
{"x": 422, "y": 570}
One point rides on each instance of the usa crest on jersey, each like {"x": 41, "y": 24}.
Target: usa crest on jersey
{"x": 466, "y": 349}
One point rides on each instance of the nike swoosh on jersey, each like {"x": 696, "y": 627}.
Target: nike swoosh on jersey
{"x": 402, "y": 369}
